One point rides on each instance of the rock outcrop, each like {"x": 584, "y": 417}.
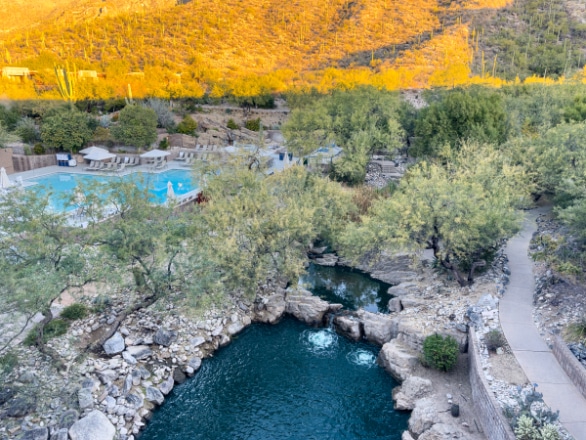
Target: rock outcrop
{"x": 94, "y": 426}
{"x": 423, "y": 417}
{"x": 306, "y": 307}
{"x": 377, "y": 328}
{"x": 115, "y": 344}
{"x": 270, "y": 309}
{"x": 412, "y": 389}
{"x": 397, "y": 359}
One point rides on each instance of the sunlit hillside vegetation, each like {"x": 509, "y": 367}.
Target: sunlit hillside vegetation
{"x": 219, "y": 48}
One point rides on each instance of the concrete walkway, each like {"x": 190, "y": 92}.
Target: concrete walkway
{"x": 532, "y": 353}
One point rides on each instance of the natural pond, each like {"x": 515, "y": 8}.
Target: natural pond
{"x": 290, "y": 381}
{"x": 286, "y": 381}
{"x": 349, "y": 287}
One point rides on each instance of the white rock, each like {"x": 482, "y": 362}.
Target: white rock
{"x": 94, "y": 426}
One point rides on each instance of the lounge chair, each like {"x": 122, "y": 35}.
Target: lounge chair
{"x": 181, "y": 156}
{"x": 120, "y": 168}
{"x": 91, "y": 167}
{"x": 188, "y": 162}
{"x": 160, "y": 164}
{"x": 132, "y": 162}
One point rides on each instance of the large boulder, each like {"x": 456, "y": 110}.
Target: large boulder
{"x": 442, "y": 431}
{"x": 376, "y": 328}
{"x": 423, "y": 417}
{"x": 397, "y": 359}
{"x": 392, "y": 269}
{"x": 139, "y": 352}
{"x": 35, "y": 434}
{"x": 271, "y": 309}
{"x": 85, "y": 398}
{"x": 154, "y": 395}
{"x": 403, "y": 289}
{"x": 164, "y": 337}
{"x": 167, "y": 385}
{"x": 349, "y": 326}
{"x": 411, "y": 390}
{"x": 115, "y": 344}
{"x": 308, "y": 308}
{"x": 94, "y": 426}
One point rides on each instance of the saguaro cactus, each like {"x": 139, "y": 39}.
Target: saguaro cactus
{"x": 67, "y": 82}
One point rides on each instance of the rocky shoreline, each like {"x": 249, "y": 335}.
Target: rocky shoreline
{"x": 112, "y": 394}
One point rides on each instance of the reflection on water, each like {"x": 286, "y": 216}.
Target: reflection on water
{"x": 351, "y": 288}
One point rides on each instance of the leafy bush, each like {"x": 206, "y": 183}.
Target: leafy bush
{"x": 164, "y": 144}
{"x": 187, "y": 126}
{"x": 39, "y": 149}
{"x": 576, "y": 331}
{"x": 232, "y": 125}
{"x": 549, "y": 432}
{"x": 494, "y": 339}
{"x": 253, "y": 124}
{"x": 164, "y": 114}
{"x": 440, "y": 352}
{"x": 28, "y": 131}
{"x": 54, "y": 328}
{"x": 74, "y": 312}
{"x": 8, "y": 362}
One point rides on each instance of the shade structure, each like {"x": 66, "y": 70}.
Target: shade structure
{"x": 154, "y": 154}
{"x": 4, "y": 180}
{"x": 90, "y": 150}
{"x": 286, "y": 162}
{"x": 170, "y": 191}
{"x": 100, "y": 155}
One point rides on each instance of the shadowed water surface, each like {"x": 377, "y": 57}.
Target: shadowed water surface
{"x": 283, "y": 382}
{"x": 351, "y": 288}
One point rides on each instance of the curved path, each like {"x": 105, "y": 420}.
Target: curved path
{"x": 532, "y": 353}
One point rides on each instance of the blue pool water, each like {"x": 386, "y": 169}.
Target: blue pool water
{"x": 62, "y": 185}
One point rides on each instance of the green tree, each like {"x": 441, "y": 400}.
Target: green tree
{"x": 40, "y": 256}
{"x": 188, "y": 125}
{"x": 258, "y": 226}
{"x": 67, "y": 129}
{"x": 458, "y": 116}
{"x": 137, "y": 126}
{"x": 459, "y": 211}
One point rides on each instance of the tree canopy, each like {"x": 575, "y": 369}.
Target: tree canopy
{"x": 459, "y": 211}
{"x": 68, "y": 129}
{"x": 137, "y": 126}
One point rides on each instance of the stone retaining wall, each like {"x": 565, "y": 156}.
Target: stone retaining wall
{"x": 573, "y": 368}
{"x": 26, "y": 163}
{"x": 489, "y": 412}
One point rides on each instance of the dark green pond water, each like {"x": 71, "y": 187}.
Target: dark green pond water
{"x": 351, "y": 288}
{"x": 283, "y": 382}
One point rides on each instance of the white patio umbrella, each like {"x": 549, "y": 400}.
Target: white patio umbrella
{"x": 154, "y": 154}
{"x": 100, "y": 155}
{"x": 4, "y": 180}
{"x": 170, "y": 191}
{"x": 90, "y": 150}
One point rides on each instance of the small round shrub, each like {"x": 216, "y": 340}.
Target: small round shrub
{"x": 494, "y": 339}
{"x": 549, "y": 432}
{"x": 74, "y": 312}
{"x": 39, "y": 149}
{"x": 164, "y": 144}
{"x": 232, "y": 125}
{"x": 440, "y": 352}
{"x": 253, "y": 124}
{"x": 187, "y": 126}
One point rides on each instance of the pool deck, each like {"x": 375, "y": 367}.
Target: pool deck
{"x": 80, "y": 169}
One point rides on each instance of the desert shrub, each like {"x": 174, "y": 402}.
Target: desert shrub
{"x": 494, "y": 339}
{"x": 8, "y": 362}
{"x": 253, "y": 124}
{"x": 525, "y": 430}
{"x": 164, "y": 144}
{"x": 39, "y": 149}
{"x": 549, "y": 432}
{"x": 74, "y": 312}
{"x": 28, "y": 131}
{"x": 576, "y": 331}
{"x": 54, "y": 328}
{"x": 232, "y": 125}
{"x": 187, "y": 126}
{"x": 440, "y": 352}
{"x": 115, "y": 117}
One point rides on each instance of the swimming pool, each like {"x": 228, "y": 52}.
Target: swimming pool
{"x": 62, "y": 185}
